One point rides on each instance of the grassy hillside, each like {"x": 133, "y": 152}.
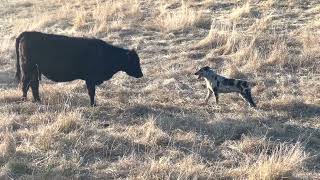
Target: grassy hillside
{"x": 158, "y": 127}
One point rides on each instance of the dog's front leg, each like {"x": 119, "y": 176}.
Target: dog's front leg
{"x": 216, "y": 95}
{"x": 209, "y": 93}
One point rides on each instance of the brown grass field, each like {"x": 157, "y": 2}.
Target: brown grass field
{"x": 158, "y": 127}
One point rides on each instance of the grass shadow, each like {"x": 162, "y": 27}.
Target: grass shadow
{"x": 172, "y": 119}
{"x": 221, "y": 129}
{"x": 297, "y": 109}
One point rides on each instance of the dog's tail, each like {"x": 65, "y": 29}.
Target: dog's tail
{"x": 252, "y": 83}
{"x": 18, "y": 70}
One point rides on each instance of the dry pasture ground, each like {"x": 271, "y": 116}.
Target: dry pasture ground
{"x": 158, "y": 129}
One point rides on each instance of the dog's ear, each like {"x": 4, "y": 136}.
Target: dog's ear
{"x": 206, "y": 68}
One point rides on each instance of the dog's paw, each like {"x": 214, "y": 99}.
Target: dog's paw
{"x": 203, "y": 104}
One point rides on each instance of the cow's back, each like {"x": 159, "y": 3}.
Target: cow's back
{"x": 58, "y": 47}
{"x": 61, "y": 58}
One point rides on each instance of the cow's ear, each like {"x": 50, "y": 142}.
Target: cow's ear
{"x": 133, "y": 50}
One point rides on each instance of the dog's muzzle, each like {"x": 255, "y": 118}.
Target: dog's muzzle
{"x": 198, "y": 74}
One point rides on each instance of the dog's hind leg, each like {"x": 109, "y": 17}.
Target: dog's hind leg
{"x": 246, "y": 94}
{"x": 216, "y": 95}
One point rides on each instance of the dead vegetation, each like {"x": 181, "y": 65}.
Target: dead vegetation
{"x": 158, "y": 129}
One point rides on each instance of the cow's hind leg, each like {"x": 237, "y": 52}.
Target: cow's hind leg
{"x": 91, "y": 91}
{"x": 26, "y": 78}
{"x": 35, "y": 84}
{"x": 246, "y": 94}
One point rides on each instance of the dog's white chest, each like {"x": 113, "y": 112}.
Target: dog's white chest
{"x": 209, "y": 84}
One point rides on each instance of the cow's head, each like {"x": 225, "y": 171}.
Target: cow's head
{"x": 133, "y": 67}
{"x": 203, "y": 72}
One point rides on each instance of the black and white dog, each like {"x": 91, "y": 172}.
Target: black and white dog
{"x": 218, "y": 84}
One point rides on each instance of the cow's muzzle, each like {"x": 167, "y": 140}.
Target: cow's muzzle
{"x": 140, "y": 75}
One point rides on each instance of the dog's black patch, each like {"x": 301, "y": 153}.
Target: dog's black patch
{"x": 228, "y": 82}
{"x": 245, "y": 84}
{"x": 239, "y": 84}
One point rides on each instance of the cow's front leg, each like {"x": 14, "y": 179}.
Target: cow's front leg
{"x": 91, "y": 91}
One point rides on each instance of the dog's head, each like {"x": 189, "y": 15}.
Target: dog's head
{"x": 203, "y": 72}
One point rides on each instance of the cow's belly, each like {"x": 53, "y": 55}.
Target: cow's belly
{"x": 58, "y": 78}
{"x": 60, "y": 65}
{"x": 61, "y": 75}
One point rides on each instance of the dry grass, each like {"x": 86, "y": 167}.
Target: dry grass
{"x": 273, "y": 161}
{"x": 110, "y": 14}
{"x": 240, "y": 12}
{"x": 282, "y": 162}
{"x": 7, "y": 147}
{"x": 215, "y": 38}
{"x": 157, "y": 127}
{"x": 179, "y": 19}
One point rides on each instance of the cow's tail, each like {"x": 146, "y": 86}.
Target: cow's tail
{"x": 39, "y": 73}
{"x": 18, "y": 72}
{"x": 18, "y": 68}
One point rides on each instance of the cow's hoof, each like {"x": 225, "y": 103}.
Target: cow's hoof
{"x": 23, "y": 98}
{"x": 36, "y": 101}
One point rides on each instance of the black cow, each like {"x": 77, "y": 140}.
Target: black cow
{"x": 62, "y": 59}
